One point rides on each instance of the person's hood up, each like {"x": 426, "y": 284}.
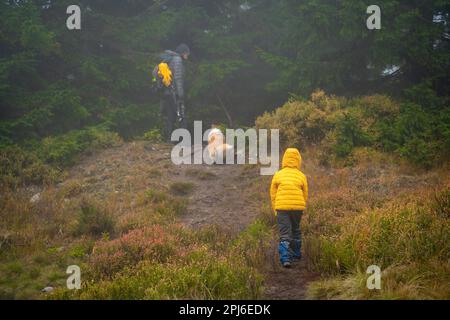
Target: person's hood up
{"x": 292, "y": 158}
{"x": 182, "y": 49}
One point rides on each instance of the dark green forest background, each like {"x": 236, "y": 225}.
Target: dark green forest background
{"x": 60, "y": 90}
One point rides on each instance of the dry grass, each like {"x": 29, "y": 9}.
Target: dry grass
{"x": 381, "y": 214}
{"x": 201, "y": 174}
{"x": 181, "y": 188}
{"x": 373, "y": 213}
{"x": 104, "y": 203}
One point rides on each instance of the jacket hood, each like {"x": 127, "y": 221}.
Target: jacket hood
{"x": 292, "y": 158}
{"x": 167, "y": 54}
{"x": 172, "y": 53}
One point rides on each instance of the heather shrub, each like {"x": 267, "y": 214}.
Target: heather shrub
{"x": 419, "y": 281}
{"x": 300, "y": 123}
{"x": 252, "y": 243}
{"x": 200, "y": 275}
{"x": 441, "y": 203}
{"x": 181, "y": 188}
{"x": 63, "y": 150}
{"x": 94, "y": 221}
{"x": 41, "y": 162}
{"x": 171, "y": 262}
{"x": 339, "y": 126}
{"x": 171, "y": 208}
{"x": 385, "y": 236}
{"x": 153, "y": 135}
{"x": 156, "y": 196}
{"x": 18, "y": 166}
{"x": 154, "y": 243}
{"x": 349, "y": 135}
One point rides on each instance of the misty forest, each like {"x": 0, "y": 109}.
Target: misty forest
{"x": 87, "y": 180}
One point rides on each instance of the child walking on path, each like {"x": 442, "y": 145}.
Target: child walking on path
{"x": 289, "y": 194}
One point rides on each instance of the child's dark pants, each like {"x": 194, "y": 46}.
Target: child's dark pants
{"x": 290, "y": 235}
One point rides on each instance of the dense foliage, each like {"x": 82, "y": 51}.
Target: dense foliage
{"x": 247, "y": 58}
{"x": 342, "y": 126}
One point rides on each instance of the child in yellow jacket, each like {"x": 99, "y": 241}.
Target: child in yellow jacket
{"x": 289, "y": 194}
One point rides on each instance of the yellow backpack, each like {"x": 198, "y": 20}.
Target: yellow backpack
{"x": 162, "y": 76}
{"x": 165, "y": 74}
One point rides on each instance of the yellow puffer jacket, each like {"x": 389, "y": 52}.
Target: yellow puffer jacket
{"x": 289, "y": 188}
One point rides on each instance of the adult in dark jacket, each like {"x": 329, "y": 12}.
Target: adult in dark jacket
{"x": 172, "y": 99}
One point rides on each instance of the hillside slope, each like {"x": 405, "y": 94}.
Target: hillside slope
{"x": 230, "y": 197}
{"x": 208, "y": 231}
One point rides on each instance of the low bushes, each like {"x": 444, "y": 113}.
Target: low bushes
{"x": 42, "y": 162}
{"x": 19, "y": 166}
{"x": 339, "y": 125}
{"x": 153, "y": 243}
{"x": 63, "y": 150}
{"x": 173, "y": 262}
{"x": 200, "y": 276}
{"x": 94, "y": 221}
{"x": 181, "y": 188}
{"x": 402, "y": 238}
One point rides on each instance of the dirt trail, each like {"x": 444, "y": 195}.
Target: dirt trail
{"x": 218, "y": 198}
{"x": 222, "y": 195}
{"x": 223, "y": 200}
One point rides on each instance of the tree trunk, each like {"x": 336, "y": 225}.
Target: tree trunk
{"x": 222, "y": 105}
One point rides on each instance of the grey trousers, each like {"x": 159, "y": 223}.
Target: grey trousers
{"x": 168, "y": 108}
{"x": 289, "y": 225}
